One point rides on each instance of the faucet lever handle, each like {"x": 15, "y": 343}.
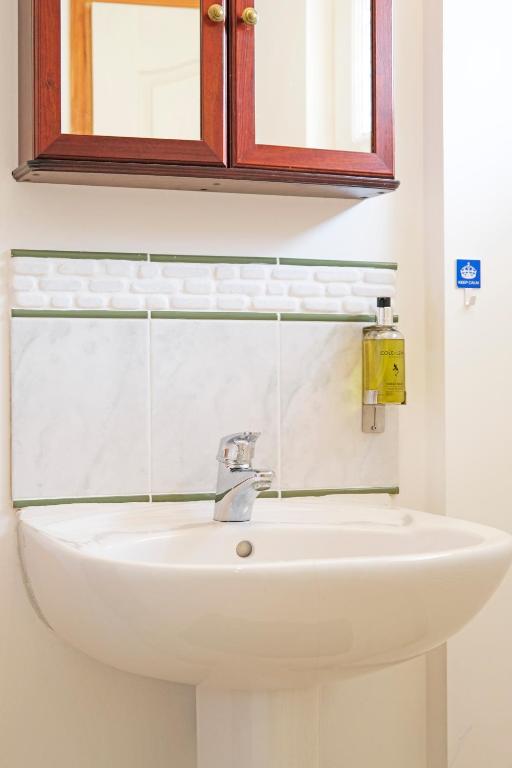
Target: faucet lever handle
{"x": 238, "y": 450}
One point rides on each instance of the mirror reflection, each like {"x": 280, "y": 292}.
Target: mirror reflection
{"x": 314, "y": 74}
{"x": 131, "y": 68}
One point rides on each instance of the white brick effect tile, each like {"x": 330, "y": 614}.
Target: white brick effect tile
{"x": 155, "y": 286}
{"x": 127, "y": 301}
{"x": 62, "y": 301}
{"x": 148, "y": 269}
{"x": 353, "y": 306}
{"x": 107, "y": 286}
{"x": 22, "y": 283}
{"x": 382, "y": 276}
{"x": 321, "y": 305}
{"x": 276, "y": 304}
{"x": 243, "y": 287}
{"x": 157, "y": 302}
{"x": 28, "y": 266}
{"x": 60, "y": 284}
{"x": 90, "y": 301}
{"x": 119, "y": 268}
{"x": 338, "y": 275}
{"x": 306, "y": 289}
{"x": 253, "y": 272}
{"x": 277, "y": 289}
{"x": 226, "y": 272}
{"x": 291, "y": 273}
{"x": 191, "y": 302}
{"x": 187, "y": 270}
{"x": 362, "y": 289}
{"x": 233, "y": 303}
{"x": 338, "y": 289}
{"x": 83, "y": 267}
{"x": 45, "y": 283}
{"x": 200, "y": 287}
{"x": 30, "y": 300}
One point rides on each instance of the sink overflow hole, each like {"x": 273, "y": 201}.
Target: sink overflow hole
{"x": 244, "y": 549}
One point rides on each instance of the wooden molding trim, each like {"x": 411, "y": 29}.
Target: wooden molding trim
{"x": 172, "y": 176}
{"x": 81, "y": 66}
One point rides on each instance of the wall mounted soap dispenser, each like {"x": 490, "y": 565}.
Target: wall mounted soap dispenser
{"x": 383, "y": 368}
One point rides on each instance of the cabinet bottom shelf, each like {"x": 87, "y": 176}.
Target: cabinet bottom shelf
{"x": 202, "y": 178}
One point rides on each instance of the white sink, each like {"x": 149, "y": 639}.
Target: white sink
{"x": 331, "y": 588}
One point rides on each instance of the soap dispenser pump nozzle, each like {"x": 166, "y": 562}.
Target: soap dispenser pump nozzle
{"x": 384, "y": 314}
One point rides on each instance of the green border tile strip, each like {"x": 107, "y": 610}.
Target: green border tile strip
{"x": 164, "y": 315}
{"x": 108, "y": 314}
{"x": 188, "y": 497}
{"x": 183, "y": 497}
{"x": 79, "y": 255}
{"x": 392, "y": 491}
{"x": 328, "y": 318}
{"x": 332, "y": 318}
{"x": 326, "y": 263}
{"x": 191, "y": 497}
{"x": 22, "y": 503}
{"x": 169, "y": 258}
{"x": 270, "y": 260}
{"x": 84, "y": 313}
{"x": 192, "y": 259}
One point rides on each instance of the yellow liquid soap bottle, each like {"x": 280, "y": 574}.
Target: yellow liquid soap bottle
{"x": 383, "y": 360}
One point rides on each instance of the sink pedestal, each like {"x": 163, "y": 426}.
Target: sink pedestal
{"x": 260, "y": 729}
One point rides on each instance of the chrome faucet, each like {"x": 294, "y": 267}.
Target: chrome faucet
{"x": 238, "y": 484}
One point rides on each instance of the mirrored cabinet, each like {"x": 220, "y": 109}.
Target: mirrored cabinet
{"x": 279, "y": 97}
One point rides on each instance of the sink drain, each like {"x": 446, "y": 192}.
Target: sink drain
{"x": 244, "y": 549}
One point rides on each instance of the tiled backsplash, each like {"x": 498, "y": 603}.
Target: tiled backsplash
{"x": 156, "y": 282}
{"x": 129, "y": 398}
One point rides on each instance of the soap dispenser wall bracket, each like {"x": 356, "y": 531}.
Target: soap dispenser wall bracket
{"x": 374, "y": 419}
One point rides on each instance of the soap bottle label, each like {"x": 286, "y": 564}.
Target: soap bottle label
{"x": 384, "y": 369}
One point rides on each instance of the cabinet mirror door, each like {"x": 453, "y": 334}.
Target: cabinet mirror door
{"x": 312, "y": 85}
{"x": 132, "y": 80}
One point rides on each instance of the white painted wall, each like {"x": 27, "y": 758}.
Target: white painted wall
{"x": 434, "y": 429}
{"x": 60, "y": 709}
{"x": 478, "y": 360}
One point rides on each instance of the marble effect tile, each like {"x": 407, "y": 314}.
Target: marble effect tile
{"x": 210, "y": 379}
{"x": 322, "y": 445}
{"x": 79, "y": 407}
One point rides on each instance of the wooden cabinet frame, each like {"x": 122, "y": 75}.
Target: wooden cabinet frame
{"x": 226, "y": 159}
{"x": 246, "y": 153}
{"x": 49, "y": 142}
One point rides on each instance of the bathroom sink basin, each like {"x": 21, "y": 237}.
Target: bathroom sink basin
{"x": 329, "y": 588}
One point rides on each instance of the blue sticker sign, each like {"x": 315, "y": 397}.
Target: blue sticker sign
{"x": 469, "y": 273}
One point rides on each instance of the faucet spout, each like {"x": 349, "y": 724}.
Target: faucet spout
{"x": 238, "y": 484}
{"x": 234, "y": 503}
